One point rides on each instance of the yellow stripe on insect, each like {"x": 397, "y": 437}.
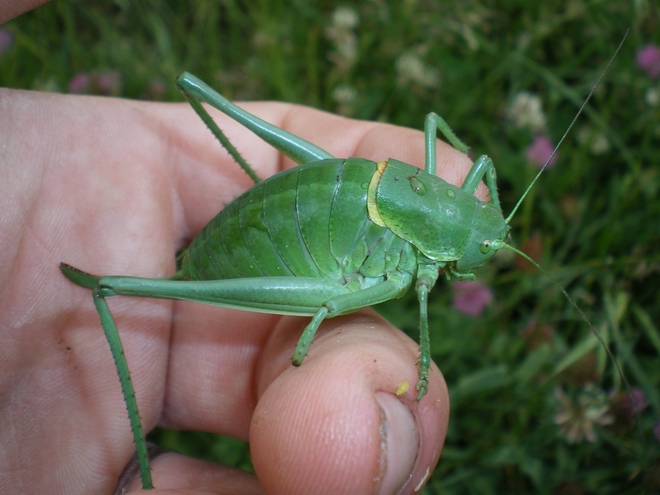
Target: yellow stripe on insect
{"x": 372, "y": 207}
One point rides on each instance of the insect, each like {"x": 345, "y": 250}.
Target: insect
{"x": 321, "y": 240}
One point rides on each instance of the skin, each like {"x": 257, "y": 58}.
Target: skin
{"x": 116, "y": 187}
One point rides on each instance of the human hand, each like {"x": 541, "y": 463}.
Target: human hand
{"x": 116, "y": 187}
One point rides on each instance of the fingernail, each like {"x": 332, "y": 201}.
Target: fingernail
{"x": 399, "y": 444}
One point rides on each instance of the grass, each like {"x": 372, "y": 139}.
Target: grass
{"x": 592, "y": 220}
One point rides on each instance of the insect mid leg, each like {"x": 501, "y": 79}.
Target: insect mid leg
{"x": 308, "y": 335}
{"x": 394, "y": 286}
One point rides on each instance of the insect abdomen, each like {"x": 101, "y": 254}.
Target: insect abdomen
{"x": 309, "y": 221}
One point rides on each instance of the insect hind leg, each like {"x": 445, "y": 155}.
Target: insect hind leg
{"x": 296, "y": 148}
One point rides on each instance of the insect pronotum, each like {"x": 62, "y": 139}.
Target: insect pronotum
{"x": 264, "y": 252}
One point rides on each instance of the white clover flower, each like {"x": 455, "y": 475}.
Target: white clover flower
{"x": 411, "y": 68}
{"x": 345, "y": 96}
{"x": 345, "y": 18}
{"x": 597, "y": 141}
{"x": 577, "y": 418}
{"x": 652, "y": 97}
{"x": 525, "y": 112}
{"x": 340, "y": 32}
{"x": 347, "y": 48}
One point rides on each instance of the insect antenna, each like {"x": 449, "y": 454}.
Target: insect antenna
{"x": 577, "y": 115}
{"x": 624, "y": 380}
{"x": 634, "y": 400}
{"x": 579, "y": 310}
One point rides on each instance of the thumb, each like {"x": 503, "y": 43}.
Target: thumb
{"x": 335, "y": 424}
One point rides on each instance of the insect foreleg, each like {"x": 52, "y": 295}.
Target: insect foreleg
{"x": 483, "y": 167}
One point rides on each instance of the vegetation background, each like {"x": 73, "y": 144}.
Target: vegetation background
{"x": 537, "y": 405}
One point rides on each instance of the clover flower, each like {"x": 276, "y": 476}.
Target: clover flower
{"x": 471, "y": 298}
{"x": 6, "y": 40}
{"x": 597, "y": 141}
{"x": 578, "y": 418}
{"x": 410, "y": 68}
{"x": 525, "y": 112}
{"x": 103, "y": 83}
{"x": 648, "y": 59}
{"x": 341, "y": 32}
{"x": 540, "y": 150}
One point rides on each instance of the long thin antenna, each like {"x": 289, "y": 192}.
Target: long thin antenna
{"x": 600, "y": 339}
{"x": 554, "y": 151}
{"x": 593, "y": 330}
{"x": 577, "y": 308}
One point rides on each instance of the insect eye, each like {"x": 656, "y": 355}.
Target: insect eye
{"x": 485, "y": 247}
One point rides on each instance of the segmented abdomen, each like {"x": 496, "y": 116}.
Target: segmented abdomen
{"x": 309, "y": 221}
